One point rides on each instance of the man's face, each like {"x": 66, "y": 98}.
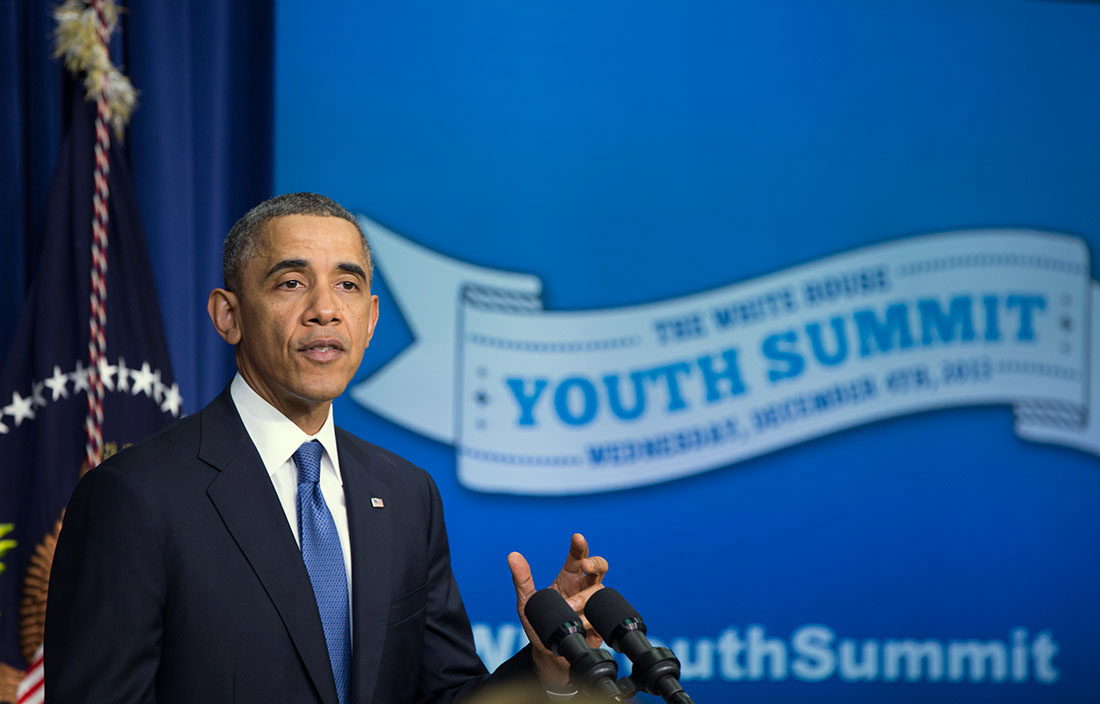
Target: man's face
{"x": 305, "y": 313}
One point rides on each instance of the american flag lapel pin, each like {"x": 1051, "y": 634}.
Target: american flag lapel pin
{"x": 376, "y": 502}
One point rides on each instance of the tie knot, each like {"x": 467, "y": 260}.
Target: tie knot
{"x": 308, "y": 459}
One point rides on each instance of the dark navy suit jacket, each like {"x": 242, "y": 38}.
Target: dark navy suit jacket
{"x": 178, "y": 579}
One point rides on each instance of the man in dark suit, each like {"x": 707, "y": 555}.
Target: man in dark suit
{"x": 254, "y": 552}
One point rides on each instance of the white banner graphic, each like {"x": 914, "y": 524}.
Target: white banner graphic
{"x": 549, "y": 402}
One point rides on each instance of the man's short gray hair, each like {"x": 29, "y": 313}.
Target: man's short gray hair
{"x": 241, "y": 242}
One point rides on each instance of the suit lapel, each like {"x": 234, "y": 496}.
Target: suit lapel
{"x": 247, "y": 503}
{"x": 370, "y": 530}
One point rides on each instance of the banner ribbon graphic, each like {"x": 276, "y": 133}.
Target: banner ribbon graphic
{"x": 566, "y": 402}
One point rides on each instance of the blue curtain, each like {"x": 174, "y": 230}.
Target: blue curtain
{"x": 199, "y": 145}
{"x": 201, "y": 153}
{"x": 30, "y": 134}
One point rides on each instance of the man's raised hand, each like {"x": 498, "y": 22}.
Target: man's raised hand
{"x": 580, "y": 577}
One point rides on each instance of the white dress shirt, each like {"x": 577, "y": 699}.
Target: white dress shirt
{"x": 277, "y": 438}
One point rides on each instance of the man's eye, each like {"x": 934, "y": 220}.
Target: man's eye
{"x": 291, "y": 284}
{"x": 348, "y": 285}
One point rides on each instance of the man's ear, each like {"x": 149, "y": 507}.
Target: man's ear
{"x": 224, "y": 310}
{"x": 372, "y": 318}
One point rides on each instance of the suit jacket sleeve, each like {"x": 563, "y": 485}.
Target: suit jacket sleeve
{"x": 451, "y": 669}
{"x": 106, "y": 597}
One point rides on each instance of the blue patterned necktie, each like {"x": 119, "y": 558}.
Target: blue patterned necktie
{"x": 325, "y": 563}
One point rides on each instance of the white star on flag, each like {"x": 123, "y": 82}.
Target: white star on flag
{"x": 57, "y": 383}
{"x": 143, "y": 380}
{"x": 36, "y": 394}
{"x": 107, "y": 373}
{"x": 20, "y": 409}
{"x": 172, "y": 400}
{"x": 79, "y": 377}
{"x": 123, "y": 375}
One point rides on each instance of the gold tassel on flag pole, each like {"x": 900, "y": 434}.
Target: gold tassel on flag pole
{"x": 81, "y": 41}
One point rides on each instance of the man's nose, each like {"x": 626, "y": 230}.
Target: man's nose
{"x": 322, "y": 306}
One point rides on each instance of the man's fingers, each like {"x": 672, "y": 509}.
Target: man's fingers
{"x": 521, "y": 576}
{"x": 594, "y": 568}
{"x": 578, "y": 601}
{"x": 587, "y": 624}
{"x": 578, "y": 550}
{"x": 578, "y": 546}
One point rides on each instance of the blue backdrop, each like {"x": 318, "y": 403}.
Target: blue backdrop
{"x": 621, "y": 157}
{"x": 629, "y": 153}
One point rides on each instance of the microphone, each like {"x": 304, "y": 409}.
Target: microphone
{"x": 656, "y": 670}
{"x": 560, "y": 630}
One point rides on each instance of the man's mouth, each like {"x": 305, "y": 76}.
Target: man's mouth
{"x": 322, "y": 350}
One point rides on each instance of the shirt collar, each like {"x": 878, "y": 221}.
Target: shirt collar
{"x": 275, "y": 436}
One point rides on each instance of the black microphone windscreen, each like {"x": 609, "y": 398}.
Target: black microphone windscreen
{"x": 546, "y": 611}
{"x": 606, "y": 609}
